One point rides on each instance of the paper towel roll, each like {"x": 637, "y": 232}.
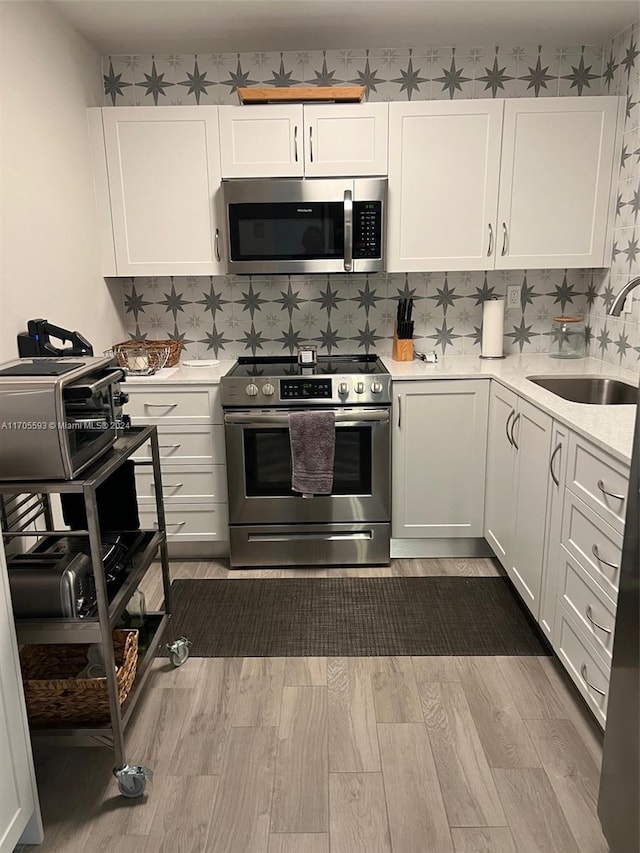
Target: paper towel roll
{"x": 492, "y": 328}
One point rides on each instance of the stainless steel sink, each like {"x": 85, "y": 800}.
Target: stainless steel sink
{"x": 595, "y": 390}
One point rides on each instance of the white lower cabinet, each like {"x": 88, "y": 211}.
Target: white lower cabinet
{"x": 518, "y": 459}
{"x": 553, "y": 530}
{"x": 193, "y": 466}
{"x": 439, "y": 445}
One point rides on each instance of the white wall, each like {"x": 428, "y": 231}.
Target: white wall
{"x": 49, "y": 247}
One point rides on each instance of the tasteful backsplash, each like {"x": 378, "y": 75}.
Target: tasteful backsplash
{"x": 232, "y": 315}
{"x": 617, "y": 339}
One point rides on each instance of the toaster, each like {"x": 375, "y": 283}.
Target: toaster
{"x": 51, "y": 586}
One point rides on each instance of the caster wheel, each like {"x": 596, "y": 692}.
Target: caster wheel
{"x": 179, "y": 651}
{"x": 132, "y": 779}
{"x": 132, "y": 786}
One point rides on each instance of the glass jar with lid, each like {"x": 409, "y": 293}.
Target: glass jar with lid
{"x": 568, "y": 338}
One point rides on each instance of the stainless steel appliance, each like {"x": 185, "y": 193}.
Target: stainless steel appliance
{"x": 305, "y": 225}
{"x": 620, "y": 779}
{"x": 57, "y": 415}
{"x": 46, "y": 586}
{"x": 269, "y": 523}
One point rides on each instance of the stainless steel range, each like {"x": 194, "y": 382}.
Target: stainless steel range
{"x": 270, "y": 524}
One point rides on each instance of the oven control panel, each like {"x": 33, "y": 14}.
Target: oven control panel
{"x": 305, "y": 389}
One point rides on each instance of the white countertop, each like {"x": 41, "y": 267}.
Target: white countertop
{"x": 182, "y": 375}
{"x": 609, "y": 426}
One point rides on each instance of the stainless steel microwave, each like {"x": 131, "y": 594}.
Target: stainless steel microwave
{"x": 305, "y": 225}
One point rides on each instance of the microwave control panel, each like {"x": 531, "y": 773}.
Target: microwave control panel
{"x": 367, "y": 229}
{"x": 305, "y": 389}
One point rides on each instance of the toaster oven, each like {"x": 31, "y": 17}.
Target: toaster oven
{"x": 57, "y": 415}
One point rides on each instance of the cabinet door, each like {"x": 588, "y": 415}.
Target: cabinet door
{"x": 531, "y": 434}
{"x": 444, "y": 160}
{"x": 439, "y": 446}
{"x": 555, "y": 178}
{"x": 345, "y": 139}
{"x": 18, "y": 806}
{"x": 498, "y": 508}
{"x": 164, "y": 174}
{"x": 552, "y": 559}
{"x": 262, "y": 141}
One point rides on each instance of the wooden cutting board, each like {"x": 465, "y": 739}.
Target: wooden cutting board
{"x": 296, "y": 94}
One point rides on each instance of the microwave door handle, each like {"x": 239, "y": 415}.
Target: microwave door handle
{"x": 348, "y": 230}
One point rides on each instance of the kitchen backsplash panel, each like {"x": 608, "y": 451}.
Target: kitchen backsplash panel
{"x": 228, "y": 316}
{"x": 232, "y": 315}
{"x": 617, "y": 339}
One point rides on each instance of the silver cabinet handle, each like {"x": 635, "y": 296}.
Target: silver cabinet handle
{"x": 589, "y": 615}
{"x": 171, "y": 485}
{"x": 551, "y": 461}
{"x": 596, "y": 554}
{"x": 169, "y": 446}
{"x": 490, "y": 249}
{"x": 513, "y": 426}
{"x": 348, "y": 230}
{"x": 610, "y": 494}
{"x": 173, "y": 524}
{"x": 583, "y": 673}
{"x": 311, "y": 143}
{"x": 295, "y": 143}
{"x": 506, "y": 426}
{"x": 162, "y": 405}
{"x": 505, "y": 241}
{"x": 217, "y": 244}
{"x": 399, "y": 411}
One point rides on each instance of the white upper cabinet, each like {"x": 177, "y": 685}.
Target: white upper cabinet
{"x": 163, "y": 173}
{"x": 295, "y": 140}
{"x": 444, "y": 166}
{"x": 555, "y": 180}
{"x": 469, "y": 190}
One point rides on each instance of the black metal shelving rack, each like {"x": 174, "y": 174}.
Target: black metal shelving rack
{"x": 144, "y": 549}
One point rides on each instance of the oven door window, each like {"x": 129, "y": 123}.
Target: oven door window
{"x": 267, "y": 457}
{"x": 90, "y": 426}
{"x": 286, "y": 231}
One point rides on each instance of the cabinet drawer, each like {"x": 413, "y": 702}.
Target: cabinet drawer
{"x": 593, "y": 543}
{"x": 595, "y": 612}
{"x": 180, "y": 444}
{"x": 585, "y": 668}
{"x": 203, "y": 522}
{"x": 184, "y": 483}
{"x": 601, "y": 481}
{"x": 156, "y": 405}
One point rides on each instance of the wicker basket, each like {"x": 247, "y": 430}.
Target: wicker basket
{"x": 151, "y": 347}
{"x": 55, "y": 698}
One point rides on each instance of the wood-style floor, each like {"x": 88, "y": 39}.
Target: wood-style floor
{"x": 339, "y": 755}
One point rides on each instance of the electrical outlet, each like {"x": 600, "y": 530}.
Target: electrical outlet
{"x": 513, "y": 296}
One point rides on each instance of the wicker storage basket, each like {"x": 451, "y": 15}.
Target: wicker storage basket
{"x": 175, "y": 348}
{"x": 55, "y": 698}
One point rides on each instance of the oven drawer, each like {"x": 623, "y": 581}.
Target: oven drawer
{"x": 595, "y": 611}
{"x": 184, "y": 483}
{"x": 180, "y": 444}
{"x": 157, "y": 405}
{"x": 200, "y": 522}
{"x": 593, "y": 543}
{"x": 599, "y": 480}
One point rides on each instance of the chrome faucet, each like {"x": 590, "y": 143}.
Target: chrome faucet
{"x": 618, "y": 302}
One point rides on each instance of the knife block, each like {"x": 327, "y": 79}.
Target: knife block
{"x": 402, "y": 348}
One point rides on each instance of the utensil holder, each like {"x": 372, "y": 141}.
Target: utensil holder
{"x": 402, "y": 348}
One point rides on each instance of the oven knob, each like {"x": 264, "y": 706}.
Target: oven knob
{"x": 251, "y": 389}
{"x": 376, "y": 387}
{"x": 268, "y": 389}
{"x": 343, "y": 389}
{"x": 359, "y": 387}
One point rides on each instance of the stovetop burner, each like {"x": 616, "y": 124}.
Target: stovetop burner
{"x": 288, "y": 366}
{"x": 280, "y": 381}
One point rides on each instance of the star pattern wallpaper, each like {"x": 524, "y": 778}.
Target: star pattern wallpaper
{"x": 231, "y": 315}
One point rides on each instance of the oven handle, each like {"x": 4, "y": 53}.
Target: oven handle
{"x": 82, "y": 390}
{"x": 344, "y": 419}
